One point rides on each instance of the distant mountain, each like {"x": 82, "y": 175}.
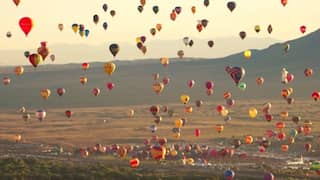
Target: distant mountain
{"x": 76, "y": 53}
{"x": 134, "y": 79}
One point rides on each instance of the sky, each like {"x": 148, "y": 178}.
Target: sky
{"x": 128, "y": 23}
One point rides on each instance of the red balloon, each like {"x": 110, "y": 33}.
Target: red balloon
{"x": 303, "y": 29}
{"x": 209, "y": 85}
{"x": 173, "y": 16}
{"x": 290, "y": 77}
{"x": 96, "y": 91}
{"x": 284, "y": 2}
{"x": 166, "y": 80}
{"x": 315, "y": 95}
{"x": 68, "y": 113}
{"x": 219, "y": 108}
{"x": 85, "y": 66}
{"x": 61, "y": 91}
{"x": 26, "y": 25}
{"x": 308, "y": 147}
{"x": 110, "y": 85}
{"x": 199, "y": 27}
{"x": 191, "y": 83}
{"x": 197, "y": 132}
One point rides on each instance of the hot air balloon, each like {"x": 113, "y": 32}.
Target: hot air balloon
{"x": 140, "y": 8}
{"x": 191, "y": 43}
{"x": 9, "y": 34}
{"x": 83, "y": 80}
{"x": 142, "y": 2}
{"x": 280, "y": 125}
{"x": 122, "y": 152}
{"x": 35, "y": 59}
{"x": 43, "y": 50}
{"x": 153, "y": 31}
{"x": 109, "y": 68}
{"x": 6, "y": 81}
{"x": 257, "y": 28}
{"x": 155, "y": 9}
{"x": 226, "y": 95}
{"x": 303, "y": 29}
{"x": 253, "y": 112}
{"x": 209, "y": 85}
{"x": 112, "y": 13}
{"x": 26, "y": 25}
{"x": 248, "y": 139}
{"x": 60, "y": 27}
{"x": 18, "y": 70}
{"x": 308, "y": 72}
{"x": 110, "y": 85}
{"x": 68, "y": 113}
{"x": 284, "y": 148}
{"x": 130, "y": 113}
{"x": 231, "y": 5}
{"x": 210, "y": 43}
{"x": 229, "y": 174}
{"x": 242, "y": 35}
{"x": 166, "y": 80}
{"x": 17, "y": 138}
{"x": 284, "y": 2}
{"x": 184, "y": 98}
{"x": 96, "y": 18}
{"x": 186, "y": 40}
{"x": 269, "y": 176}
{"x": 173, "y": 15}
{"x": 286, "y": 47}
{"x": 193, "y": 9}
{"x": 134, "y": 163}
{"x": 204, "y": 23}
{"x": 308, "y": 147}
{"x": 105, "y": 25}
{"x": 75, "y": 28}
{"x": 114, "y": 49}
{"x": 236, "y": 73}
{"x": 197, "y": 132}
{"x": 52, "y": 57}
{"x": 105, "y": 7}
{"x": 45, "y": 93}
{"x": 178, "y": 123}
{"x": 270, "y": 29}
{"x": 164, "y": 61}
{"x": 153, "y": 128}
{"x": 315, "y": 95}
{"x": 281, "y": 136}
{"x": 96, "y": 91}
{"x": 191, "y": 83}
{"x": 206, "y": 3}
{"x": 219, "y": 128}
{"x": 26, "y": 116}
{"x": 199, "y": 103}
{"x": 180, "y": 53}
{"x": 199, "y": 27}
{"x": 61, "y": 91}
{"x": 159, "y": 27}
{"x": 158, "y": 87}
{"x": 16, "y": 2}
{"x": 158, "y": 152}
{"x": 247, "y": 54}
{"x": 26, "y": 54}
{"x": 230, "y": 102}
{"x": 188, "y": 109}
{"x": 85, "y": 66}
{"x": 41, "y": 114}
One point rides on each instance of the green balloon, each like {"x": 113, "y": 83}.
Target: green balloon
{"x": 242, "y": 86}
{"x": 293, "y": 133}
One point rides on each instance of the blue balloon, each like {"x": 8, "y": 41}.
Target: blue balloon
{"x": 86, "y": 32}
{"x": 229, "y": 174}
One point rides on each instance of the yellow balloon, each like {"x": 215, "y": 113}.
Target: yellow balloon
{"x": 109, "y": 68}
{"x": 190, "y": 161}
{"x": 174, "y": 153}
{"x": 164, "y": 61}
{"x": 45, "y": 93}
{"x": 253, "y": 112}
{"x": 19, "y": 70}
{"x": 290, "y": 90}
{"x": 184, "y": 98}
{"x": 178, "y": 123}
{"x": 138, "y": 40}
{"x": 247, "y": 54}
{"x": 224, "y": 112}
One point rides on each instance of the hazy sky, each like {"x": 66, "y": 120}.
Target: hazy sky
{"x": 129, "y": 23}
